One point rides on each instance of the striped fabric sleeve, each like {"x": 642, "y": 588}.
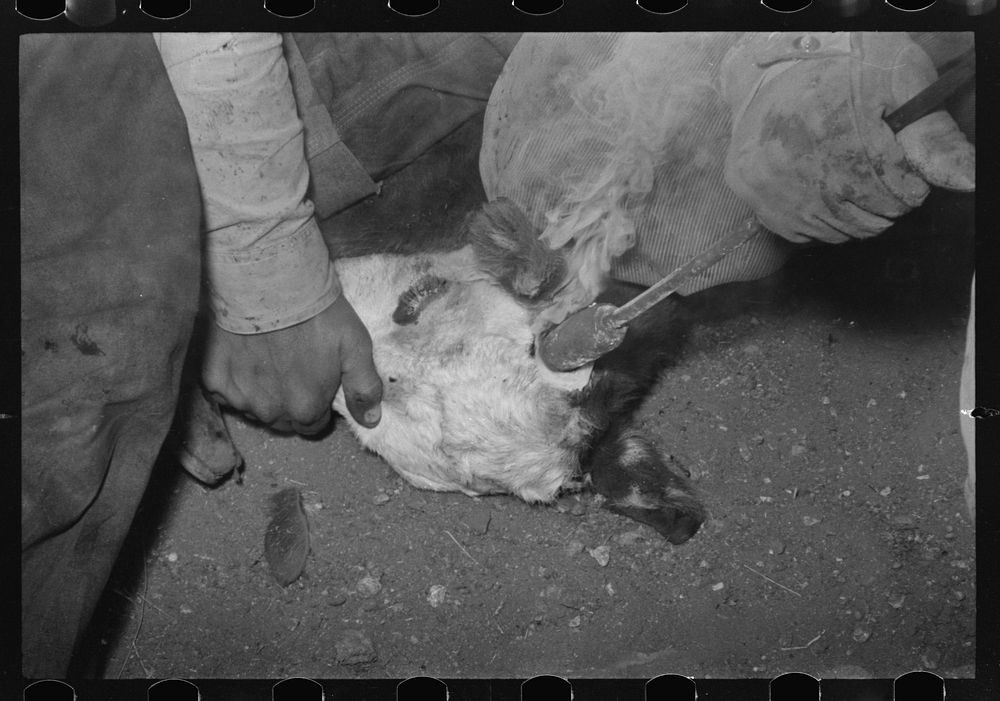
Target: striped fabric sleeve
{"x": 552, "y": 138}
{"x": 268, "y": 265}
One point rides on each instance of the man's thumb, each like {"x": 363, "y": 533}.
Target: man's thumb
{"x": 939, "y": 151}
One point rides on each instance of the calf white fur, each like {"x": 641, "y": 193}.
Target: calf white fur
{"x": 466, "y": 404}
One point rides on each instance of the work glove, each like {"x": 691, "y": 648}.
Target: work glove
{"x": 810, "y": 151}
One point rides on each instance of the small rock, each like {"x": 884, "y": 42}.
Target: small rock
{"x": 751, "y": 349}
{"x": 172, "y": 557}
{"x": 602, "y": 553}
{"x": 718, "y": 586}
{"x": 798, "y": 450}
{"x": 871, "y": 403}
{"x": 776, "y": 547}
{"x": 897, "y": 601}
{"x": 861, "y": 634}
{"x": 354, "y": 647}
{"x": 186, "y": 609}
{"x": 574, "y": 622}
{"x": 810, "y": 520}
{"x": 885, "y": 491}
{"x": 578, "y": 509}
{"x": 629, "y": 537}
{"x": 436, "y": 595}
{"x": 758, "y": 439}
{"x": 338, "y": 597}
{"x": 960, "y": 595}
{"x": 745, "y": 453}
{"x": 824, "y": 400}
{"x": 368, "y": 586}
{"x": 380, "y": 498}
{"x": 573, "y": 548}
{"x": 553, "y": 591}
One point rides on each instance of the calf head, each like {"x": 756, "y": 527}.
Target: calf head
{"x": 468, "y": 407}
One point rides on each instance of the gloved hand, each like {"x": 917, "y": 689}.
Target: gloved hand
{"x": 288, "y": 378}
{"x": 810, "y": 151}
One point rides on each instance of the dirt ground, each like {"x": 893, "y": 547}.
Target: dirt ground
{"x": 818, "y": 414}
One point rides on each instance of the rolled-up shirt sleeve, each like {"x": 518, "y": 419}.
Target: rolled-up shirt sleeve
{"x": 268, "y": 265}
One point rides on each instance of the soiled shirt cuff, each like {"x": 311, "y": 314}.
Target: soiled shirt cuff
{"x": 273, "y": 286}
{"x": 268, "y": 266}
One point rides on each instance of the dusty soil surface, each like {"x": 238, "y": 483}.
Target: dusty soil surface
{"x": 817, "y": 412}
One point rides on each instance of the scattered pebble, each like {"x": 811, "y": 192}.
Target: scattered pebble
{"x": 897, "y": 601}
{"x": 574, "y": 622}
{"x": 744, "y": 452}
{"x": 629, "y": 537}
{"x": 338, "y": 597}
{"x": 960, "y": 595}
{"x": 861, "y": 634}
{"x": 354, "y": 647}
{"x": 810, "y": 520}
{"x": 776, "y": 547}
{"x": 718, "y": 586}
{"x": 578, "y": 509}
{"x": 886, "y": 491}
{"x": 573, "y": 548}
{"x": 436, "y": 595}
{"x": 609, "y": 589}
{"x": 380, "y": 498}
{"x": 824, "y": 400}
{"x": 751, "y": 349}
{"x": 758, "y": 439}
{"x": 602, "y": 553}
{"x": 368, "y": 586}
{"x": 798, "y": 449}
{"x": 186, "y": 609}
{"x": 172, "y": 557}
{"x": 871, "y": 403}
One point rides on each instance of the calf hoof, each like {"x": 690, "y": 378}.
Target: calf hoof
{"x": 638, "y": 483}
{"x": 204, "y": 447}
{"x": 509, "y": 250}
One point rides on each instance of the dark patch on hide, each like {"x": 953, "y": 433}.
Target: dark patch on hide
{"x": 83, "y": 342}
{"x": 416, "y": 298}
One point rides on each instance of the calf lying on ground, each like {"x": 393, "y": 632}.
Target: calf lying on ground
{"x": 467, "y": 406}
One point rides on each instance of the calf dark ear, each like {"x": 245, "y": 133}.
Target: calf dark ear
{"x": 509, "y": 250}
{"x": 638, "y": 482}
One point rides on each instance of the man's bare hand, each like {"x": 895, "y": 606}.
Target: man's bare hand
{"x": 287, "y": 379}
